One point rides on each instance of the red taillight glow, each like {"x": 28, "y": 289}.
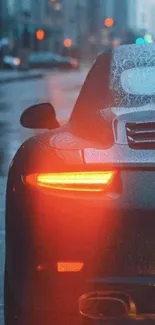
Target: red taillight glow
{"x": 73, "y": 181}
{"x": 40, "y": 268}
{"x": 74, "y": 63}
{"x": 69, "y": 266}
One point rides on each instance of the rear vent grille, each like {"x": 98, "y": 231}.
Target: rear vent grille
{"x": 141, "y": 135}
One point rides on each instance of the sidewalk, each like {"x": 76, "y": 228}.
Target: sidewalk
{"x": 10, "y": 76}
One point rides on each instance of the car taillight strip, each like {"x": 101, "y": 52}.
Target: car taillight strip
{"x": 94, "y": 181}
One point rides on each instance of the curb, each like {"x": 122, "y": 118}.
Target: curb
{"x": 28, "y": 77}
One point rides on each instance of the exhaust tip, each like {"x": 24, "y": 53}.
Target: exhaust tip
{"x": 106, "y": 305}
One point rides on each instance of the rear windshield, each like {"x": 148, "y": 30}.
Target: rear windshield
{"x": 139, "y": 81}
{"x": 132, "y": 75}
{"x": 124, "y": 78}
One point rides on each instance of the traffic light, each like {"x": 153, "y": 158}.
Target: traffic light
{"x": 40, "y": 34}
{"x": 109, "y": 22}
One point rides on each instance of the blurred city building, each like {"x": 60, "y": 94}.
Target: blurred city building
{"x": 76, "y": 23}
{"x": 145, "y": 15}
{"x": 93, "y": 18}
{"x": 42, "y": 15}
{"x": 6, "y": 16}
{"x": 46, "y": 15}
{"x": 59, "y": 19}
{"x": 118, "y": 11}
{"x": 83, "y": 26}
{"x": 135, "y": 15}
{"x": 106, "y": 21}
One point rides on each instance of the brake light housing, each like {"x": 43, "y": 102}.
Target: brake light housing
{"x": 66, "y": 267}
{"x": 88, "y": 181}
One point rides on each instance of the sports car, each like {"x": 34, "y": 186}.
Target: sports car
{"x": 80, "y": 202}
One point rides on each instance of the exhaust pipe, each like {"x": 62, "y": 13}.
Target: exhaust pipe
{"x": 107, "y": 305}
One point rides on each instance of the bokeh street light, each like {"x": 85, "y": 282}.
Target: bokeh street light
{"x": 109, "y": 22}
{"x": 67, "y": 42}
{"x": 40, "y": 34}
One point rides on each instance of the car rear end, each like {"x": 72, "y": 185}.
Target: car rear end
{"x": 80, "y": 216}
{"x": 83, "y": 246}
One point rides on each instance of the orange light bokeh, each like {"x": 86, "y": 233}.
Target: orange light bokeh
{"x": 109, "y": 22}
{"x": 40, "y": 34}
{"x": 67, "y": 42}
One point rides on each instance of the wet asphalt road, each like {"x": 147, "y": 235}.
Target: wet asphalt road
{"x": 61, "y": 89}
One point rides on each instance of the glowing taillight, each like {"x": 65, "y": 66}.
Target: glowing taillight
{"x": 69, "y": 267}
{"x": 72, "y": 181}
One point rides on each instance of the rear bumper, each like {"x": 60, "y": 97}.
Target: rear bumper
{"x": 114, "y": 246}
{"x": 112, "y": 242}
{"x": 58, "y": 296}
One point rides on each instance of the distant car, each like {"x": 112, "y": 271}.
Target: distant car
{"x": 51, "y": 60}
{"x": 80, "y": 203}
{"x": 10, "y": 62}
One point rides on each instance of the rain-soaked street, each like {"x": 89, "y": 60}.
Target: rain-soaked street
{"x": 61, "y": 89}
